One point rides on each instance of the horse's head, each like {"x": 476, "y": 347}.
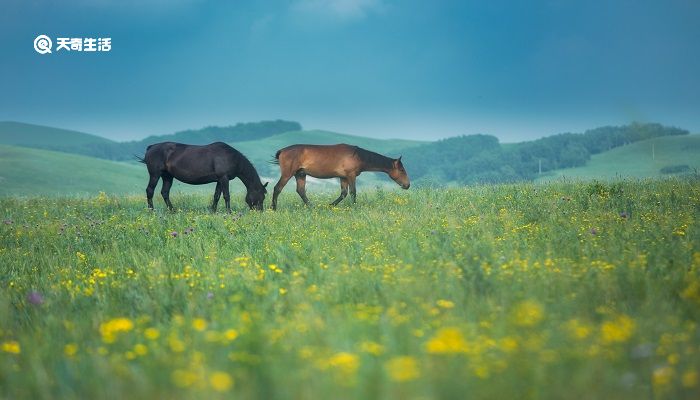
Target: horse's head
{"x": 398, "y": 174}
{"x": 256, "y": 197}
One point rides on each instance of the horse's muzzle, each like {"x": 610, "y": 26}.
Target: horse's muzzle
{"x": 406, "y": 186}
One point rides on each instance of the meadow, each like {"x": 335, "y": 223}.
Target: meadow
{"x": 558, "y": 290}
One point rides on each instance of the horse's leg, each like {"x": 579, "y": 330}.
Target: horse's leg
{"x": 278, "y": 188}
{"x": 301, "y": 186}
{"x": 343, "y": 191}
{"x": 150, "y": 189}
{"x": 165, "y": 190}
{"x": 217, "y": 195}
{"x": 353, "y": 190}
{"x": 227, "y": 196}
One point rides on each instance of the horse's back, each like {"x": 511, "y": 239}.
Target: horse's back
{"x": 327, "y": 149}
{"x": 320, "y": 161}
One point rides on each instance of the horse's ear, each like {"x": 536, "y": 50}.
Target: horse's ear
{"x": 399, "y": 159}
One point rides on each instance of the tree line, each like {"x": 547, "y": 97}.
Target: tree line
{"x": 482, "y": 159}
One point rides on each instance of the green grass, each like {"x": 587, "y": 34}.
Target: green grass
{"x": 25, "y": 171}
{"x": 563, "y": 290}
{"x": 635, "y": 160}
{"x": 21, "y": 134}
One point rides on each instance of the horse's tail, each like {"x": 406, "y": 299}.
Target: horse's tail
{"x": 143, "y": 159}
{"x": 276, "y": 160}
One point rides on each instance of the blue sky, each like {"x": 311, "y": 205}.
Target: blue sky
{"x": 380, "y": 68}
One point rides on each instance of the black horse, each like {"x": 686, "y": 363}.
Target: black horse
{"x": 197, "y": 165}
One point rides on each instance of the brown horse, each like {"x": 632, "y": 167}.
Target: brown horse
{"x": 197, "y": 165}
{"x": 334, "y": 161}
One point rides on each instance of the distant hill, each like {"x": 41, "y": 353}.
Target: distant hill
{"x": 30, "y": 135}
{"x": 482, "y": 159}
{"x": 43, "y": 137}
{"x": 597, "y": 153}
{"x": 638, "y": 160}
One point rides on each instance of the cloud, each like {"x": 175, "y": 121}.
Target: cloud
{"x": 339, "y": 9}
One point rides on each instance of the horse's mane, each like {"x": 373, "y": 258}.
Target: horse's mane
{"x": 373, "y": 159}
{"x": 247, "y": 172}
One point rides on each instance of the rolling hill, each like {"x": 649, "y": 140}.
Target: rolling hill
{"x": 34, "y": 172}
{"x": 30, "y": 135}
{"x": 25, "y": 171}
{"x": 635, "y": 160}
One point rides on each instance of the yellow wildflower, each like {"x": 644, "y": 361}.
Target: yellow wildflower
{"x": 447, "y": 341}
{"x": 662, "y": 376}
{"x": 689, "y": 379}
{"x": 11, "y": 346}
{"x": 182, "y": 378}
{"x": 373, "y": 348}
{"x": 70, "y": 349}
{"x": 509, "y": 345}
{"x": 111, "y": 328}
{"x": 151, "y": 333}
{"x": 402, "y": 369}
{"x": 618, "y": 330}
{"x": 176, "y": 345}
{"x": 231, "y": 334}
{"x": 199, "y": 324}
{"x": 221, "y": 381}
{"x": 346, "y": 363}
{"x": 576, "y": 329}
{"x": 447, "y": 304}
{"x": 528, "y": 313}
{"x": 140, "y": 349}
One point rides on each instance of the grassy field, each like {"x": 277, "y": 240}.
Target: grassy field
{"x": 635, "y": 160}
{"x": 566, "y": 290}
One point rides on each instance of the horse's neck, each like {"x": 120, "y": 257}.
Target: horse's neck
{"x": 378, "y": 163}
{"x": 249, "y": 176}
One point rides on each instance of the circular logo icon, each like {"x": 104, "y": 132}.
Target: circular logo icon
{"x": 42, "y": 44}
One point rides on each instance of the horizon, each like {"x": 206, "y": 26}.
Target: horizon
{"x": 118, "y": 140}
{"x": 374, "y": 68}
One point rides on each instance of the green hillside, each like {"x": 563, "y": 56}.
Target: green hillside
{"x": 30, "y": 135}
{"x": 32, "y": 172}
{"x": 25, "y": 171}
{"x": 635, "y": 160}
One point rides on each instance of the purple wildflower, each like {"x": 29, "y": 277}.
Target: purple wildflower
{"x": 593, "y": 231}
{"x": 173, "y": 234}
{"x": 35, "y": 298}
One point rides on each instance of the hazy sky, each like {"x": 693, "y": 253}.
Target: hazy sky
{"x": 382, "y": 68}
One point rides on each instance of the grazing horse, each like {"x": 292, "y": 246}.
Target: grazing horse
{"x": 197, "y": 165}
{"x": 335, "y": 161}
